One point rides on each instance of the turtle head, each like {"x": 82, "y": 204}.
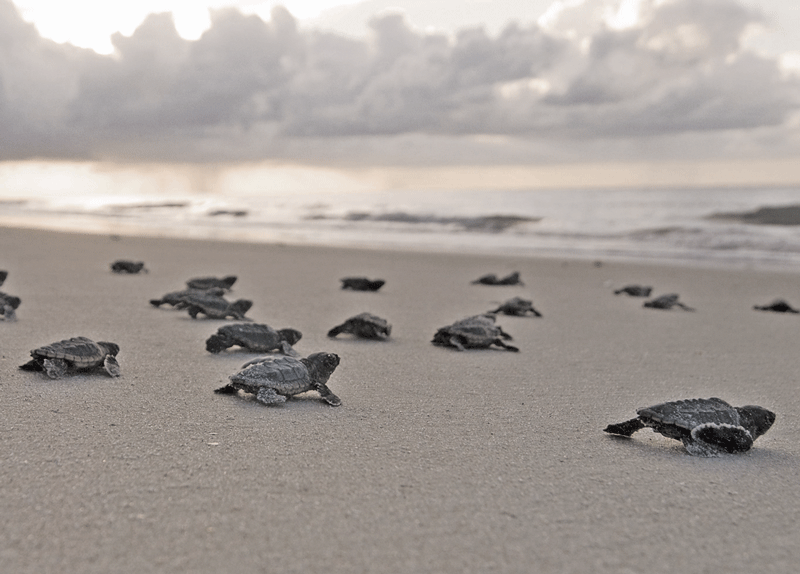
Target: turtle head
{"x": 241, "y": 306}
{"x": 215, "y": 344}
{"x": 111, "y": 348}
{"x": 291, "y": 336}
{"x": 755, "y": 419}
{"x": 321, "y": 366}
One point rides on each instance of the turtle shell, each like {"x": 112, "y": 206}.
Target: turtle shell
{"x": 286, "y": 375}
{"x": 81, "y": 352}
{"x": 690, "y": 413}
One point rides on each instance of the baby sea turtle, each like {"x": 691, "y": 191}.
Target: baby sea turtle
{"x": 8, "y": 306}
{"x": 518, "y": 307}
{"x": 666, "y": 302}
{"x": 211, "y": 282}
{"x": 491, "y": 279}
{"x": 76, "y": 354}
{"x": 176, "y": 297}
{"x": 634, "y": 291}
{"x": 362, "y": 284}
{"x": 364, "y": 325}
{"x": 273, "y": 379}
{"x": 778, "y": 306}
{"x": 125, "y": 266}
{"x": 706, "y": 427}
{"x": 214, "y": 306}
{"x": 477, "y": 332}
{"x": 255, "y": 337}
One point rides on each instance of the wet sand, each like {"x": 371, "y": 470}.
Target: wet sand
{"x": 437, "y": 461}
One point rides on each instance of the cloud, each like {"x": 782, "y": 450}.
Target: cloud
{"x": 251, "y": 89}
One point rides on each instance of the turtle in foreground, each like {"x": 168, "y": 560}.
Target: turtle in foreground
{"x": 214, "y": 306}
{"x": 477, "y": 332}
{"x": 176, "y": 297}
{"x": 211, "y": 282}
{"x": 273, "y": 379}
{"x": 634, "y": 291}
{"x": 125, "y": 266}
{"x": 364, "y": 325}
{"x": 255, "y": 337}
{"x": 362, "y": 284}
{"x": 8, "y": 306}
{"x": 706, "y": 427}
{"x": 666, "y": 302}
{"x": 76, "y": 354}
{"x": 517, "y": 307}
{"x": 777, "y": 306}
{"x": 491, "y": 279}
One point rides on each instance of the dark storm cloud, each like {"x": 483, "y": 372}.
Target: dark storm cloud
{"x": 247, "y": 87}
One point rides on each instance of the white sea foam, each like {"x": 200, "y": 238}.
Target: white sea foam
{"x": 669, "y": 224}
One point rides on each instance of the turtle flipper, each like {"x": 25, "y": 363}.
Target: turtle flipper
{"x": 268, "y": 396}
{"x": 499, "y": 342}
{"x": 712, "y": 438}
{"x": 328, "y": 396}
{"x": 32, "y": 365}
{"x": 287, "y": 349}
{"x": 454, "y": 341}
{"x": 684, "y": 307}
{"x": 55, "y": 368}
{"x": 111, "y": 365}
{"x": 625, "y": 429}
{"x": 335, "y": 331}
{"x": 9, "y": 313}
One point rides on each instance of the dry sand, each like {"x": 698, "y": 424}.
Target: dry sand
{"x": 437, "y": 461}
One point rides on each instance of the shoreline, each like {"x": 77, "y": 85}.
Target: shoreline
{"x": 437, "y": 460}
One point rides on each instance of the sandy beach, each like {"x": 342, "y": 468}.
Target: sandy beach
{"x": 437, "y": 461}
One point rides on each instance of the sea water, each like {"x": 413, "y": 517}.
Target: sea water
{"x": 672, "y": 225}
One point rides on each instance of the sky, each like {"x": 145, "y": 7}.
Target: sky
{"x": 700, "y": 87}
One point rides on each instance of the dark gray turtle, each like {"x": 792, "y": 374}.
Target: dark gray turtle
{"x": 211, "y": 282}
{"x": 125, "y": 266}
{"x": 634, "y": 291}
{"x": 478, "y": 332}
{"x": 517, "y": 307}
{"x": 214, "y": 306}
{"x": 666, "y": 302}
{"x": 3, "y": 275}
{"x": 8, "y": 306}
{"x": 176, "y": 297}
{"x": 362, "y": 284}
{"x": 76, "y": 354}
{"x": 778, "y": 306}
{"x": 273, "y": 379}
{"x": 491, "y": 279}
{"x": 364, "y": 325}
{"x": 255, "y": 337}
{"x": 706, "y": 427}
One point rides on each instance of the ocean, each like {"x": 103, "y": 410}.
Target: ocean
{"x": 669, "y": 225}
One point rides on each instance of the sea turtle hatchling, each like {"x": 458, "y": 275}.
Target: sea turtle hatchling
{"x": 214, "y": 306}
{"x": 211, "y": 282}
{"x": 362, "y": 283}
{"x": 273, "y": 379}
{"x": 666, "y": 302}
{"x": 491, "y": 279}
{"x": 176, "y": 297}
{"x": 8, "y": 306}
{"x": 634, "y": 291}
{"x": 477, "y": 332}
{"x": 706, "y": 427}
{"x": 517, "y": 307}
{"x": 365, "y": 326}
{"x": 777, "y": 306}
{"x": 76, "y": 354}
{"x": 255, "y": 337}
{"x": 125, "y": 266}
